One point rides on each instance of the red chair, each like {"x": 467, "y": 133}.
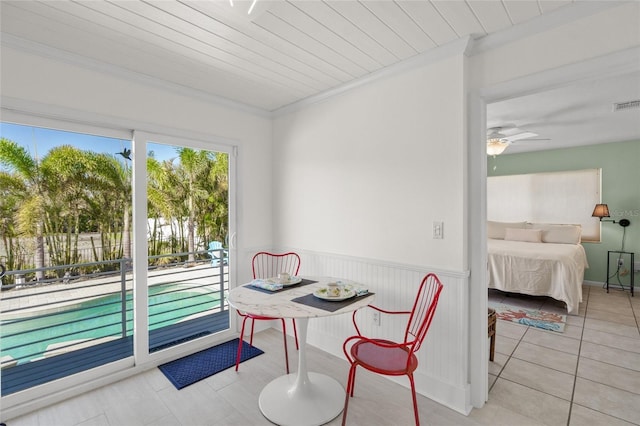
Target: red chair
{"x": 269, "y": 265}
{"x": 390, "y": 358}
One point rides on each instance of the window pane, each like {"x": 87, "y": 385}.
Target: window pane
{"x": 566, "y": 197}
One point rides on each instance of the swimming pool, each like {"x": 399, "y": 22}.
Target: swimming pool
{"x": 28, "y": 338}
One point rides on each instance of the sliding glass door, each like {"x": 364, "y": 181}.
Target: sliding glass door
{"x": 188, "y": 234}
{"x": 114, "y": 247}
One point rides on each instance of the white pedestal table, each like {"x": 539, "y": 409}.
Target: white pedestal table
{"x": 302, "y": 398}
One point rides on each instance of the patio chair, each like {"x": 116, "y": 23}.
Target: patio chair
{"x": 391, "y": 358}
{"x": 268, "y": 265}
{"x": 216, "y": 253}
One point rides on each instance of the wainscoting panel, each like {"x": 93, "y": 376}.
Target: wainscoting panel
{"x": 442, "y": 374}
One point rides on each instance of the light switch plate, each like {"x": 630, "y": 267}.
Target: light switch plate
{"x": 438, "y": 230}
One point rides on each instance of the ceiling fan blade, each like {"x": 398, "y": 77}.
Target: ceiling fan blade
{"x": 535, "y": 140}
{"x": 510, "y": 134}
{"x": 523, "y": 135}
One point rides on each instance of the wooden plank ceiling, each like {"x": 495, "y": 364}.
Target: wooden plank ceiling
{"x": 285, "y": 51}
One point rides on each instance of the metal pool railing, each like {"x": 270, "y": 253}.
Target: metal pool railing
{"x": 68, "y": 311}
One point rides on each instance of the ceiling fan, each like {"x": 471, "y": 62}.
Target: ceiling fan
{"x": 499, "y": 138}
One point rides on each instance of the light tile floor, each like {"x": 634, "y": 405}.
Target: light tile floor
{"x": 588, "y": 375}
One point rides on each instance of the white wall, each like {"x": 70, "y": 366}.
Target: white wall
{"x": 366, "y": 173}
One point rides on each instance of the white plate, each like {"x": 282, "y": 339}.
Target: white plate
{"x": 292, "y": 281}
{"x": 323, "y": 293}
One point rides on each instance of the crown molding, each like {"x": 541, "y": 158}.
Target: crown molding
{"x": 456, "y": 47}
{"x": 28, "y": 46}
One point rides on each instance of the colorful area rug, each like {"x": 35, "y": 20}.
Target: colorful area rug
{"x": 531, "y": 317}
{"x": 190, "y": 369}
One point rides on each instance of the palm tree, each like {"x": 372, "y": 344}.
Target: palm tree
{"x": 164, "y": 195}
{"x": 30, "y": 214}
{"x": 112, "y": 179}
{"x": 194, "y": 188}
{"x": 70, "y": 189}
{"x": 11, "y": 192}
{"x": 219, "y": 197}
{"x": 155, "y": 201}
{"x": 194, "y": 168}
{"x": 212, "y": 210}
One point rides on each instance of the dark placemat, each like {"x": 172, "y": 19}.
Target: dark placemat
{"x": 327, "y": 305}
{"x": 289, "y": 287}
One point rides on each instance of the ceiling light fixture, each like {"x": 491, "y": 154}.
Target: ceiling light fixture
{"x": 496, "y": 141}
{"x": 496, "y": 146}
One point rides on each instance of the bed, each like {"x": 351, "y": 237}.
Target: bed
{"x": 537, "y": 259}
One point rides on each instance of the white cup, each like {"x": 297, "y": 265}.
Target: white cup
{"x": 284, "y": 277}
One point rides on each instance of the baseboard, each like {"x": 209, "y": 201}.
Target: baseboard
{"x": 447, "y": 394}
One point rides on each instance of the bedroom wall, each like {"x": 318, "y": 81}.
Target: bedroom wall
{"x": 620, "y": 177}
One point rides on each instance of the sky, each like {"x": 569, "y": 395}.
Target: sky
{"x": 38, "y": 140}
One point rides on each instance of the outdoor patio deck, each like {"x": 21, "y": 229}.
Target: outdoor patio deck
{"x": 63, "y": 359}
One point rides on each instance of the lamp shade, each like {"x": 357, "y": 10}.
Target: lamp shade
{"x": 601, "y": 210}
{"x": 496, "y": 146}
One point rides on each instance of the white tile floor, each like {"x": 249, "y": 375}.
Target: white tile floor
{"x": 588, "y": 375}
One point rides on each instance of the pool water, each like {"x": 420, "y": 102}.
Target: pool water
{"x": 26, "y": 339}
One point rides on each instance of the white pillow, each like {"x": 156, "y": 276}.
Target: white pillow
{"x": 526, "y": 235}
{"x": 559, "y": 234}
{"x": 496, "y": 230}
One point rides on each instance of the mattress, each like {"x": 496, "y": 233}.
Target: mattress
{"x": 539, "y": 269}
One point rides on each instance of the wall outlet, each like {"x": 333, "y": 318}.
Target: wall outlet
{"x": 376, "y": 317}
{"x": 620, "y": 262}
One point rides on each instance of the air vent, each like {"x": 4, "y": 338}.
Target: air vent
{"x": 623, "y": 106}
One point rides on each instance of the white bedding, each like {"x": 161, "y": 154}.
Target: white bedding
{"x": 539, "y": 269}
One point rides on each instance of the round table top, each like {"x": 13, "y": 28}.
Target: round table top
{"x": 280, "y": 304}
